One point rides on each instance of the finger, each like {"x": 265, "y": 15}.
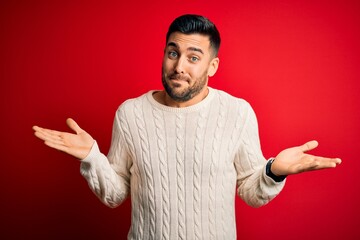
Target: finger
{"x": 317, "y": 163}
{"x": 47, "y": 133}
{"x": 73, "y": 125}
{"x": 57, "y": 146}
{"x": 40, "y": 129}
{"x": 49, "y": 138}
{"x": 327, "y": 162}
{"x": 309, "y": 146}
{"x": 40, "y": 135}
{"x": 338, "y": 161}
{"x": 45, "y": 130}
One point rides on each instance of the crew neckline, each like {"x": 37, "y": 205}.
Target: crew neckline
{"x": 191, "y": 108}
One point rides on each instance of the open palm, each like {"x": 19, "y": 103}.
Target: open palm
{"x": 77, "y": 144}
{"x": 296, "y": 160}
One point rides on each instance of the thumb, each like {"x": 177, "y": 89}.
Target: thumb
{"x": 73, "y": 125}
{"x": 309, "y": 146}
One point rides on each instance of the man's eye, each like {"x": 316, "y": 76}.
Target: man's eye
{"x": 173, "y": 54}
{"x": 194, "y": 59}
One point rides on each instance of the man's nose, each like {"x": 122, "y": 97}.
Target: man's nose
{"x": 179, "y": 65}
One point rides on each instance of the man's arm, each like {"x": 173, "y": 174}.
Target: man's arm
{"x": 255, "y": 186}
{"x": 260, "y": 181}
{"x": 108, "y": 177}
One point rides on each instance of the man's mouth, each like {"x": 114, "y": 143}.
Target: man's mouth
{"x": 178, "y": 78}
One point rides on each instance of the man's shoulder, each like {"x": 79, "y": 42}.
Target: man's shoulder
{"x": 131, "y": 103}
{"x": 231, "y": 99}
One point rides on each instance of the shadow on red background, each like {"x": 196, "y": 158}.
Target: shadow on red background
{"x": 296, "y": 63}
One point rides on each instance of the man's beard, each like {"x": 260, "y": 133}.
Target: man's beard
{"x": 187, "y": 93}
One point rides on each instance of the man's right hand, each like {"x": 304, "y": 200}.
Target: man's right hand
{"x": 77, "y": 145}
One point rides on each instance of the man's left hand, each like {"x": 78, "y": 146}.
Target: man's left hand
{"x": 296, "y": 160}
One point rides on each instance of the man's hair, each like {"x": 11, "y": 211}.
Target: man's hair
{"x": 190, "y": 23}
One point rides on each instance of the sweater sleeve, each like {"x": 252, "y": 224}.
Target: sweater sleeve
{"x": 254, "y": 186}
{"x": 109, "y": 176}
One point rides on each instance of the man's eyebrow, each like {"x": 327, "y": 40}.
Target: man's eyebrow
{"x": 173, "y": 44}
{"x": 195, "y": 49}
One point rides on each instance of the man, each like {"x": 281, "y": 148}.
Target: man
{"x": 181, "y": 152}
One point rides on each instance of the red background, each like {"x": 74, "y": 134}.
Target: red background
{"x": 296, "y": 62}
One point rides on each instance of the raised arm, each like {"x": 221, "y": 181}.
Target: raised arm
{"x": 77, "y": 144}
{"x": 108, "y": 177}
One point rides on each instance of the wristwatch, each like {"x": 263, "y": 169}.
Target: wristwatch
{"x": 271, "y": 174}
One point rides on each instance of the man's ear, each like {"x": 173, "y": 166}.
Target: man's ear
{"x": 213, "y": 67}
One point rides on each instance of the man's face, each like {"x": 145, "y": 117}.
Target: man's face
{"x": 187, "y": 64}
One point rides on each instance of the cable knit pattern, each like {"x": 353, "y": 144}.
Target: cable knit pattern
{"x": 181, "y": 166}
{"x": 124, "y": 126}
{"x": 146, "y": 163}
{"x": 159, "y": 123}
{"x": 180, "y": 174}
{"x": 214, "y": 166}
{"x": 239, "y": 122}
{"x": 197, "y": 174}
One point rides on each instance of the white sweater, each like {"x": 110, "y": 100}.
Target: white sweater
{"x": 182, "y": 166}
